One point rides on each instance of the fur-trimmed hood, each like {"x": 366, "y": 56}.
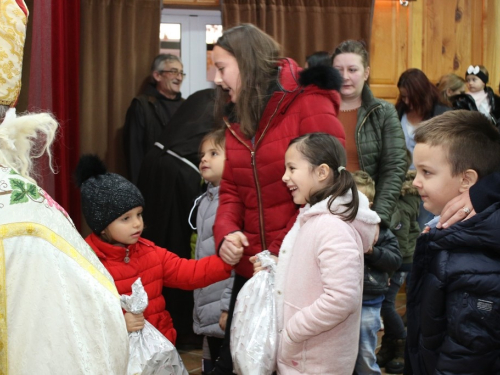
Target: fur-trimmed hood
{"x": 291, "y": 76}
{"x": 364, "y": 217}
{"x": 325, "y": 77}
{"x": 408, "y": 188}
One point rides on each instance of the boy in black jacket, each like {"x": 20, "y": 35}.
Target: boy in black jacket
{"x": 454, "y": 293}
{"x": 380, "y": 261}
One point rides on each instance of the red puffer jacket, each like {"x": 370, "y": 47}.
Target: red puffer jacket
{"x": 157, "y": 267}
{"x": 253, "y": 198}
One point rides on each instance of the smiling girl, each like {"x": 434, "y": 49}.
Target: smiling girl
{"x": 319, "y": 279}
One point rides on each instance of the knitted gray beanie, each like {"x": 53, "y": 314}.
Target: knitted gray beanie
{"x": 105, "y": 196}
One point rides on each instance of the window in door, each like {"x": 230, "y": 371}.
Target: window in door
{"x": 213, "y": 33}
{"x": 170, "y": 38}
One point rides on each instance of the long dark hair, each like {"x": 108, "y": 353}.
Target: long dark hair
{"x": 319, "y": 58}
{"x": 257, "y": 55}
{"x": 422, "y": 94}
{"x": 322, "y": 148}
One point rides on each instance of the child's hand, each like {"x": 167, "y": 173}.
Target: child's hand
{"x": 223, "y": 320}
{"x": 231, "y": 249}
{"x": 135, "y": 322}
{"x": 257, "y": 266}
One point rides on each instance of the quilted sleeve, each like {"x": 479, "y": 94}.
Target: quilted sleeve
{"x": 229, "y": 216}
{"x": 392, "y": 167}
{"x": 190, "y": 274}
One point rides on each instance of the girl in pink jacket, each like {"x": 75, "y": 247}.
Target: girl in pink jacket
{"x": 319, "y": 281}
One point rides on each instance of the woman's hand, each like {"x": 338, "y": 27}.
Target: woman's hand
{"x": 458, "y": 209}
{"x": 231, "y": 249}
{"x": 135, "y": 322}
{"x": 257, "y": 266}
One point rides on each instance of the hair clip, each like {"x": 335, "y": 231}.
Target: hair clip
{"x": 473, "y": 69}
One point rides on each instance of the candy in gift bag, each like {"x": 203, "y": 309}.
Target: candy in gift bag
{"x": 150, "y": 352}
{"x": 253, "y": 330}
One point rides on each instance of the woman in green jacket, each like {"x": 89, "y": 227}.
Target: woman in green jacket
{"x": 375, "y": 143}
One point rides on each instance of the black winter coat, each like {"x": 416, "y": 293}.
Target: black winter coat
{"x": 465, "y": 101}
{"x": 147, "y": 117}
{"x": 170, "y": 186}
{"x": 485, "y": 192}
{"x": 380, "y": 264}
{"x": 453, "y": 301}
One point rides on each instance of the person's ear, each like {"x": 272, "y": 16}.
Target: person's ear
{"x": 367, "y": 73}
{"x": 323, "y": 172}
{"x": 157, "y": 76}
{"x": 469, "y": 178}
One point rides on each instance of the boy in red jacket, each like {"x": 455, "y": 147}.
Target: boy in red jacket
{"x": 112, "y": 207}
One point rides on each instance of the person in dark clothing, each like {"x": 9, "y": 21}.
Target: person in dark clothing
{"x": 454, "y": 292}
{"x": 150, "y": 112}
{"x": 480, "y": 97}
{"x": 170, "y": 181}
{"x": 380, "y": 261}
{"x": 418, "y": 101}
{"x": 485, "y": 99}
{"x": 405, "y": 227}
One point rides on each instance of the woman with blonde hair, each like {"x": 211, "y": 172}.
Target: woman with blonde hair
{"x": 448, "y": 86}
{"x": 375, "y": 144}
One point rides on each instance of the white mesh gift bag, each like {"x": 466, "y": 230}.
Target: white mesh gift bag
{"x": 150, "y": 352}
{"x": 253, "y": 330}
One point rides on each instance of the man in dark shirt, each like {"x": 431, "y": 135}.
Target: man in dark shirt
{"x": 150, "y": 112}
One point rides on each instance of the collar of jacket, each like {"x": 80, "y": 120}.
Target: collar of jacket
{"x": 364, "y": 214}
{"x": 152, "y": 93}
{"x": 212, "y": 191}
{"x": 105, "y": 250}
{"x": 480, "y": 232}
{"x": 368, "y": 101}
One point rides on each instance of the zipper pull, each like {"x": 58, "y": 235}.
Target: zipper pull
{"x": 252, "y": 157}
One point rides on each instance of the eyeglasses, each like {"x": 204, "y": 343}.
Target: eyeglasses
{"x": 173, "y": 72}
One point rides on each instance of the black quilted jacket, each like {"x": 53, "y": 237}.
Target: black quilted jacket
{"x": 453, "y": 301}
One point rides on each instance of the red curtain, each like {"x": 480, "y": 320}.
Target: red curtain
{"x": 54, "y": 87}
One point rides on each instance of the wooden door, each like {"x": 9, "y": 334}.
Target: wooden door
{"x": 437, "y": 36}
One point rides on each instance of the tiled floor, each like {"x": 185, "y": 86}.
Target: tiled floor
{"x": 192, "y": 359}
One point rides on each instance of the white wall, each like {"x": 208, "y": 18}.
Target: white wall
{"x": 193, "y": 45}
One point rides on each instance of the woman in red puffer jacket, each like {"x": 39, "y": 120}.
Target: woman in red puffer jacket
{"x": 265, "y": 102}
